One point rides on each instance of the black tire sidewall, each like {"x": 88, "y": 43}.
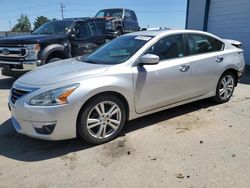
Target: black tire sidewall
{"x": 82, "y": 127}
{"x": 218, "y": 97}
{"x": 52, "y": 60}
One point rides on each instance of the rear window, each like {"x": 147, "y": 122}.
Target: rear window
{"x": 110, "y": 13}
{"x": 199, "y": 44}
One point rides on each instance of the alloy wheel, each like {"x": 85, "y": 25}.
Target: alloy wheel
{"x": 226, "y": 87}
{"x": 104, "y": 119}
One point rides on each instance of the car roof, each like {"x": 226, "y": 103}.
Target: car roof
{"x": 160, "y": 32}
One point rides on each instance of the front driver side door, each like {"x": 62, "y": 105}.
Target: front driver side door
{"x": 167, "y": 82}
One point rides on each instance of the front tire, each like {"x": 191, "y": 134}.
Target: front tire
{"x": 101, "y": 119}
{"x": 53, "y": 60}
{"x": 225, "y": 87}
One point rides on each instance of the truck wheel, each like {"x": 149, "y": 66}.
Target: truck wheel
{"x": 119, "y": 32}
{"x": 53, "y": 60}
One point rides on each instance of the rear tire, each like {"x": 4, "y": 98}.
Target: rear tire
{"x": 101, "y": 119}
{"x": 225, "y": 87}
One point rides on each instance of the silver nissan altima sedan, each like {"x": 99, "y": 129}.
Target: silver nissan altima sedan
{"x": 131, "y": 76}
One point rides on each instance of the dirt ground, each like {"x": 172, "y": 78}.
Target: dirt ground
{"x": 195, "y": 145}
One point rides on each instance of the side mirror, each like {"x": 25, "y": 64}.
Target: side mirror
{"x": 149, "y": 59}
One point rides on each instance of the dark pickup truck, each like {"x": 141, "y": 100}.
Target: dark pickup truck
{"x": 119, "y": 21}
{"x": 52, "y": 41}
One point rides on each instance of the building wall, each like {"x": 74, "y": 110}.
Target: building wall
{"x": 225, "y": 18}
{"x": 196, "y": 10}
{"x": 9, "y": 34}
{"x": 231, "y": 19}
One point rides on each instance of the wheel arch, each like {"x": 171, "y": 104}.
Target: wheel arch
{"x": 53, "y": 51}
{"x": 235, "y": 72}
{"x": 114, "y": 93}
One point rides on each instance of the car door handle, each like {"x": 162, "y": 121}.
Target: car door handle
{"x": 184, "y": 68}
{"x": 219, "y": 59}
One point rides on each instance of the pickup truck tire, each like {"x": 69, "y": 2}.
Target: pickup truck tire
{"x": 53, "y": 60}
{"x": 119, "y": 31}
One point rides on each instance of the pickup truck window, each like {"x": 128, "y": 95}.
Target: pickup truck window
{"x": 130, "y": 15}
{"x": 54, "y": 27}
{"x": 85, "y": 30}
{"x": 110, "y": 13}
{"x": 99, "y": 26}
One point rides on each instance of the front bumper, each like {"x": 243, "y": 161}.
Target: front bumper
{"x": 17, "y": 68}
{"x": 60, "y": 121}
{"x": 111, "y": 34}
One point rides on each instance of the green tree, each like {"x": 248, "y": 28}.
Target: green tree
{"x": 23, "y": 24}
{"x": 40, "y": 20}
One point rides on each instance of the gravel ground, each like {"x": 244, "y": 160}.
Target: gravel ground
{"x": 195, "y": 145}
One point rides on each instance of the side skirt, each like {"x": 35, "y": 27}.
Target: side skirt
{"x": 134, "y": 115}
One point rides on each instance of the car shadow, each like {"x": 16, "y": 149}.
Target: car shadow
{"x": 6, "y": 83}
{"x": 23, "y": 148}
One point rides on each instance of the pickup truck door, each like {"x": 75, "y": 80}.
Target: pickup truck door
{"x": 87, "y": 38}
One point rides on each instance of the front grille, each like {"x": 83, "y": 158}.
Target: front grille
{"x": 16, "y": 94}
{"x": 13, "y": 52}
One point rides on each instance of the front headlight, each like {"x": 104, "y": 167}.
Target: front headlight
{"x": 54, "y": 97}
{"x": 33, "y": 50}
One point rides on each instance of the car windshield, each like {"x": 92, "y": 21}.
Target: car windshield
{"x": 110, "y": 13}
{"x": 54, "y": 27}
{"x": 117, "y": 51}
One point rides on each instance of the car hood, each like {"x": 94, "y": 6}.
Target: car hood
{"x": 30, "y": 39}
{"x": 60, "y": 71}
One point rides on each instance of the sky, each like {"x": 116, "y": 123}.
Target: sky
{"x": 152, "y": 13}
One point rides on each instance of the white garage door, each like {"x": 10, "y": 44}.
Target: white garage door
{"x": 231, "y": 19}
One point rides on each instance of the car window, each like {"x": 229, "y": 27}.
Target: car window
{"x": 118, "y": 50}
{"x": 199, "y": 44}
{"x": 218, "y": 45}
{"x": 85, "y": 30}
{"x": 169, "y": 47}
